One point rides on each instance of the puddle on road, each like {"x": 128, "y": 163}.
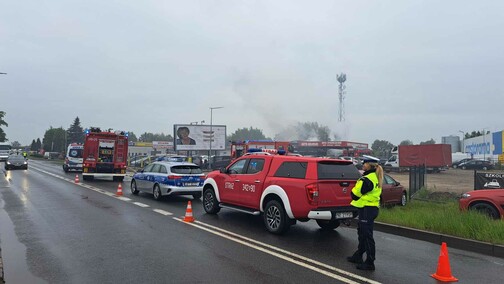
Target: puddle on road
{"x": 14, "y": 253}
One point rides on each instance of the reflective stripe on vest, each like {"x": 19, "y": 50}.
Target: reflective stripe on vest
{"x": 371, "y": 198}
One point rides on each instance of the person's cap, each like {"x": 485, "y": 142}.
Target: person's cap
{"x": 369, "y": 159}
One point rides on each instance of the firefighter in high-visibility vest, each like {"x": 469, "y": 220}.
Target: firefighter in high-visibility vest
{"x": 366, "y": 197}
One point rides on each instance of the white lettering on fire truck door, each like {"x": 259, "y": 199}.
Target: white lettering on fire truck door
{"x": 248, "y": 187}
{"x": 229, "y": 185}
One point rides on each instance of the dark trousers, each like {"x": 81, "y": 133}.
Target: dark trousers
{"x": 367, "y": 215}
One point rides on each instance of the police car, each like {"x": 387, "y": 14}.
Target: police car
{"x": 169, "y": 178}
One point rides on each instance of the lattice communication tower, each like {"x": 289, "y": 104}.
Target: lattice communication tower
{"x": 341, "y": 79}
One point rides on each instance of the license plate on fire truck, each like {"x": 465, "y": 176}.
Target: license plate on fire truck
{"x": 343, "y": 215}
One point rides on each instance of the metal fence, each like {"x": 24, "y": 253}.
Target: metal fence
{"x": 416, "y": 179}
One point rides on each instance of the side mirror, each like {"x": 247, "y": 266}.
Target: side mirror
{"x": 397, "y": 183}
{"x": 223, "y": 170}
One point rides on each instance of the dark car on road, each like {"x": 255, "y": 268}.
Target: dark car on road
{"x": 16, "y": 161}
{"x": 476, "y": 165}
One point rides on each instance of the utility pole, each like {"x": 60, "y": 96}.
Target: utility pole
{"x": 211, "y": 137}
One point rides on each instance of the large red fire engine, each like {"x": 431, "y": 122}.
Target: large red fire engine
{"x": 238, "y": 148}
{"x": 105, "y": 154}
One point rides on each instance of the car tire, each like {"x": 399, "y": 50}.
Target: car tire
{"x": 133, "y": 187}
{"x": 157, "y": 192}
{"x": 454, "y": 166}
{"x": 328, "y": 225}
{"x": 485, "y": 208}
{"x": 463, "y": 167}
{"x": 275, "y": 218}
{"x": 210, "y": 203}
{"x": 404, "y": 199}
{"x": 485, "y": 168}
{"x": 65, "y": 168}
{"x": 197, "y": 195}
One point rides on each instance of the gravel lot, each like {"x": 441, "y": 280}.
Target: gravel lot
{"x": 453, "y": 180}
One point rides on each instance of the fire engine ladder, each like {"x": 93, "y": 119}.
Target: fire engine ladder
{"x": 120, "y": 151}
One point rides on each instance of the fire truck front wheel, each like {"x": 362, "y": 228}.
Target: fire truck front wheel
{"x": 117, "y": 178}
{"x": 87, "y": 177}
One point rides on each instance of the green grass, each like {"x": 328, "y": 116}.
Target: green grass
{"x": 444, "y": 216}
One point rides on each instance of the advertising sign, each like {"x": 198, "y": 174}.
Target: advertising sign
{"x": 488, "y": 180}
{"x": 199, "y": 137}
{"x": 162, "y": 144}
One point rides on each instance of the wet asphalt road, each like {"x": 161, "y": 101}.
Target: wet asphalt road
{"x": 54, "y": 231}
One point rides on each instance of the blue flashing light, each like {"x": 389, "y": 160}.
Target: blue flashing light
{"x": 87, "y": 131}
{"x": 281, "y": 152}
{"x": 254, "y": 150}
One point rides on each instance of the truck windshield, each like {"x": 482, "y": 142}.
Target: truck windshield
{"x": 337, "y": 171}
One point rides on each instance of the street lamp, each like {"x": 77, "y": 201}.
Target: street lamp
{"x": 463, "y": 140}
{"x": 211, "y": 137}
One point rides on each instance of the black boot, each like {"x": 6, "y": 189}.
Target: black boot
{"x": 355, "y": 258}
{"x": 367, "y": 265}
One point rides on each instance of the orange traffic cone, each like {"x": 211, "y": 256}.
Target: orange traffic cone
{"x": 76, "y": 179}
{"x": 188, "y": 214}
{"x": 119, "y": 190}
{"x": 443, "y": 272}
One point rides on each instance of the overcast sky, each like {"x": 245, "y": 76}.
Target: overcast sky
{"x": 415, "y": 69}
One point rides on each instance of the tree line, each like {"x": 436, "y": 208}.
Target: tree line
{"x": 56, "y": 139}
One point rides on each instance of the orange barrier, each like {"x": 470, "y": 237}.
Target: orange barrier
{"x": 443, "y": 272}
{"x": 188, "y": 215}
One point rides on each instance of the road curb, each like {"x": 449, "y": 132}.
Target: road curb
{"x": 436, "y": 238}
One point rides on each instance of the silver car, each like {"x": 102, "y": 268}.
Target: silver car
{"x": 169, "y": 178}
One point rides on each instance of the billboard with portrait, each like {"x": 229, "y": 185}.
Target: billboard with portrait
{"x": 199, "y": 137}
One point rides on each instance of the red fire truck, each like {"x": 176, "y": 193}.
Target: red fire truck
{"x": 105, "y": 154}
{"x": 238, "y": 148}
{"x": 330, "y": 148}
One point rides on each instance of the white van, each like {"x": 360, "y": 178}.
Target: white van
{"x": 73, "y": 157}
{"x": 5, "y": 149}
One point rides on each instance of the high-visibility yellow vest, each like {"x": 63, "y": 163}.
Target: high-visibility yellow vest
{"x": 371, "y": 198}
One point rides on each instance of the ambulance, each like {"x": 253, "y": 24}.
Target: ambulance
{"x": 73, "y": 157}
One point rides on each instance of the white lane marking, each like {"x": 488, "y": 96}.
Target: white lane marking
{"x": 166, "y": 213}
{"x": 235, "y": 239}
{"x": 290, "y": 254}
{"x": 124, "y": 198}
{"x": 141, "y": 204}
{"x": 275, "y": 254}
